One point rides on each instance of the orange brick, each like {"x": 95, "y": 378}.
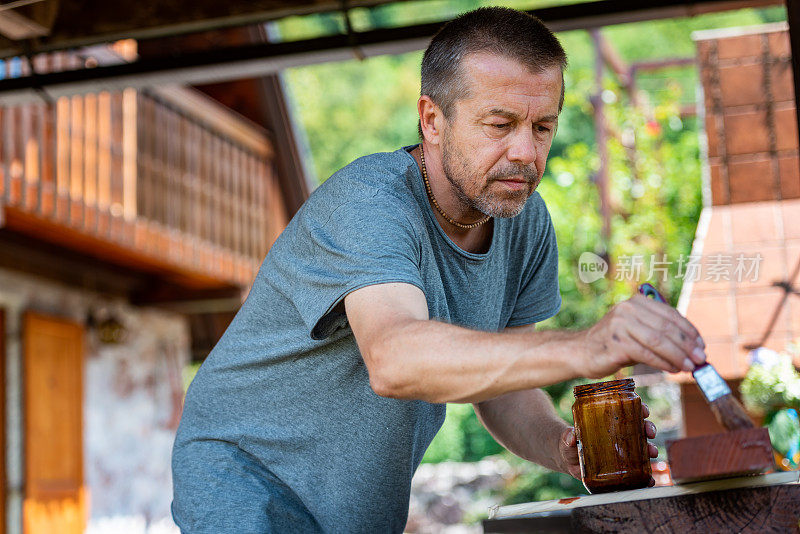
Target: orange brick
{"x": 742, "y": 84}
{"x": 754, "y": 223}
{"x": 719, "y": 193}
{"x": 739, "y": 47}
{"x": 782, "y": 80}
{"x": 786, "y": 129}
{"x": 779, "y": 44}
{"x": 754, "y": 311}
{"x": 703, "y": 52}
{"x": 716, "y": 238}
{"x": 777, "y": 340}
{"x": 746, "y": 133}
{"x": 712, "y": 135}
{"x": 751, "y": 181}
{"x": 789, "y": 169}
{"x": 791, "y": 221}
{"x": 711, "y": 314}
{"x": 771, "y": 266}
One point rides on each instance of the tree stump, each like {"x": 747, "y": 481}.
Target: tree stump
{"x": 747, "y": 510}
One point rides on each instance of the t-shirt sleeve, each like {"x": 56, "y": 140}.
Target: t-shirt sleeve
{"x": 540, "y": 298}
{"x": 357, "y": 244}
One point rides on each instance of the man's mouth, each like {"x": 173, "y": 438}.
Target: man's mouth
{"x": 514, "y": 183}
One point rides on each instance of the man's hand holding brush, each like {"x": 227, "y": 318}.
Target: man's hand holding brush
{"x": 642, "y": 330}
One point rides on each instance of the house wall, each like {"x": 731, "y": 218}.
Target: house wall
{"x": 752, "y": 203}
{"x": 132, "y": 401}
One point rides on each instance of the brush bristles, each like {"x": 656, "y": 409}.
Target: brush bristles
{"x": 730, "y": 413}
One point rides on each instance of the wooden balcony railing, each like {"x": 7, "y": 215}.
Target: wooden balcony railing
{"x": 166, "y": 181}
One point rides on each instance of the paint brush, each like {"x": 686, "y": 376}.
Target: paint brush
{"x": 726, "y": 408}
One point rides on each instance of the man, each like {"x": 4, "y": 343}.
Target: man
{"x": 408, "y": 280}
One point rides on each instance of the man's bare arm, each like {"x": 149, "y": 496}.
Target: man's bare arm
{"x": 409, "y": 356}
{"x": 525, "y": 423}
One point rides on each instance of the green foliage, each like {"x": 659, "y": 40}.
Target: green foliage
{"x": 462, "y": 438}
{"x": 535, "y": 483}
{"x": 770, "y": 387}
{"x": 784, "y": 432}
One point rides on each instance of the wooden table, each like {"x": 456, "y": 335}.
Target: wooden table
{"x": 755, "y": 504}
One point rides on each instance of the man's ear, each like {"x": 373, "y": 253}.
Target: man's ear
{"x": 430, "y": 119}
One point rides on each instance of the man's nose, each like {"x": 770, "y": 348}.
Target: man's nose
{"x": 523, "y": 147}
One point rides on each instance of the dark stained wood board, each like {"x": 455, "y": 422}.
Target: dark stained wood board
{"x": 727, "y": 454}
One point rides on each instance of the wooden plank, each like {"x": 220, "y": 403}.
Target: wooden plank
{"x": 53, "y": 406}
{"x": 727, "y": 454}
{"x": 527, "y": 509}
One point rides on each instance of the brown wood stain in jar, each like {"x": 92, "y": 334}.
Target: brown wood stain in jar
{"x": 612, "y": 444}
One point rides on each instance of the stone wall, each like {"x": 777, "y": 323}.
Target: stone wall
{"x": 132, "y": 401}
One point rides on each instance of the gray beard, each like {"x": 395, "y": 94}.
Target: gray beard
{"x": 512, "y": 205}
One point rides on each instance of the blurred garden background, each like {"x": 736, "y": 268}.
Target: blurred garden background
{"x": 653, "y": 143}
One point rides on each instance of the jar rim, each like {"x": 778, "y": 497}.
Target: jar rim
{"x": 609, "y": 386}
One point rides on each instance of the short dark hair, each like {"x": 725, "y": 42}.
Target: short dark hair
{"x": 497, "y": 30}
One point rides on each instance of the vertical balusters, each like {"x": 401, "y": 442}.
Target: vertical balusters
{"x": 253, "y": 223}
{"x": 76, "y": 160}
{"x": 129, "y": 149}
{"x": 45, "y": 197}
{"x": 90, "y": 161}
{"x": 47, "y": 158}
{"x": 63, "y": 154}
{"x": 117, "y": 188}
{"x": 237, "y": 199}
{"x": 104, "y": 163}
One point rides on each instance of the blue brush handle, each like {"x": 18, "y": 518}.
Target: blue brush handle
{"x": 651, "y": 292}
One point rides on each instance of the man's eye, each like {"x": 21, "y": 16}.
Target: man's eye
{"x": 501, "y": 125}
{"x": 542, "y": 129}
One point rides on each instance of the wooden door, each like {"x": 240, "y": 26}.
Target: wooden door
{"x": 53, "y": 413}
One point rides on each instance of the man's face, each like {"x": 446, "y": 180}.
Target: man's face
{"x": 495, "y": 144}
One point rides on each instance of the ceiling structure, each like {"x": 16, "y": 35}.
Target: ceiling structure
{"x": 57, "y": 24}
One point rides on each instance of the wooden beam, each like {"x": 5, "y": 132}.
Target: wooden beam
{"x": 27, "y": 19}
{"x": 18, "y": 27}
{"x": 49, "y": 231}
{"x": 22, "y": 254}
{"x": 111, "y": 21}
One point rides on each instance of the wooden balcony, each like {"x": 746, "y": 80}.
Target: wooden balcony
{"x": 164, "y": 182}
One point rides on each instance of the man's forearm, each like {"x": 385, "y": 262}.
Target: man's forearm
{"x": 440, "y": 362}
{"x": 525, "y": 423}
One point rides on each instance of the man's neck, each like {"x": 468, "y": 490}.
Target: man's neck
{"x": 476, "y": 240}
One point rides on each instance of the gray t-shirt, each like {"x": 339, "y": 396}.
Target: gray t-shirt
{"x": 286, "y": 382}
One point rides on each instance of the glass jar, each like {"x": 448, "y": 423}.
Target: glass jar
{"x": 612, "y": 444}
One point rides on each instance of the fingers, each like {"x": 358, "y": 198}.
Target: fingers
{"x": 645, "y": 411}
{"x": 656, "y": 335}
{"x": 665, "y": 317}
{"x": 652, "y": 450}
{"x": 638, "y": 351}
{"x": 569, "y": 453}
{"x": 569, "y": 437}
{"x": 650, "y": 429}
{"x": 668, "y": 312}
